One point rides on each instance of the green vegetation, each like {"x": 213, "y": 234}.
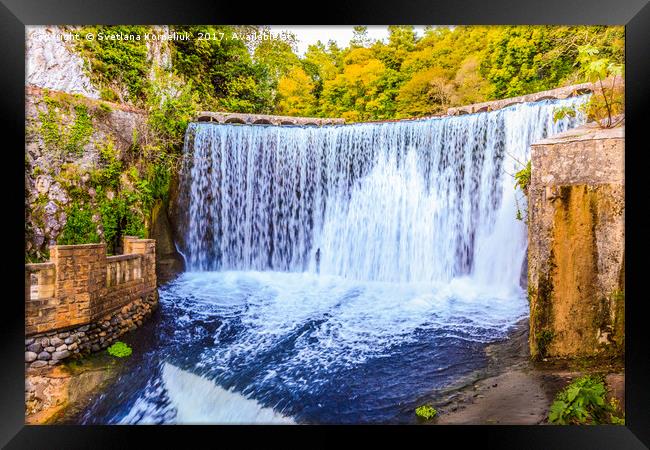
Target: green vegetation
{"x": 609, "y": 99}
{"x": 64, "y": 139}
{"x": 540, "y": 312}
{"x": 119, "y": 349}
{"x": 584, "y": 401}
{"x": 406, "y": 76}
{"x": 426, "y": 412}
{"x": 543, "y": 340}
{"x": 79, "y": 227}
{"x": 522, "y": 181}
{"x": 563, "y": 112}
{"x": 522, "y": 178}
{"x": 119, "y": 68}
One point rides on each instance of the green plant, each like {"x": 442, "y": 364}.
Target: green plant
{"x": 426, "y": 412}
{"x": 522, "y": 178}
{"x": 522, "y": 181}
{"x": 608, "y": 100}
{"x": 563, "y": 112}
{"x": 79, "y": 227}
{"x": 584, "y": 401}
{"x": 120, "y": 350}
{"x": 116, "y": 65}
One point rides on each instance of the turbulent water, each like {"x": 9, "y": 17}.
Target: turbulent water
{"x": 336, "y": 274}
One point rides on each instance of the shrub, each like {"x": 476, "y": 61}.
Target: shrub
{"x": 583, "y": 401}
{"x": 120, "y": 350}
{"x": 426, "y": 412}
{"x": 79, "y": 227}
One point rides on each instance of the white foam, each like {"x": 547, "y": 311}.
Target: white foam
{"x": 198, "y": 400}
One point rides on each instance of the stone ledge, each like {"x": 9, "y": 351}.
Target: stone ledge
{"x": 558, "y": 93}
{"x": 36, "y": 267}
{"x": 263, "y": 119}
{"x": 589, "y": 132}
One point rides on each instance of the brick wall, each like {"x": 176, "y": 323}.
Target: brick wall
{"x": 81, "y": 284}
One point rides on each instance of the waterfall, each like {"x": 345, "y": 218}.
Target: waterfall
{"x": 410, "y": 201}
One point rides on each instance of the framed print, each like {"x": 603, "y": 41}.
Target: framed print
{"x": 419, "y": 222}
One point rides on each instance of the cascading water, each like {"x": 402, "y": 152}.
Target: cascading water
{"x": 338, "y": 273}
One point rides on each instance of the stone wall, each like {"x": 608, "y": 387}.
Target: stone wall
{"x": 81, "y": 300}
{"x": 576, "y": 244}
{"x": 264, "y": 119}
{"x": 558, "y": 93}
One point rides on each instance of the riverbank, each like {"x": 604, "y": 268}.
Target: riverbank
{"x": 63, "y": 390}
{"x": 514, "y": 390}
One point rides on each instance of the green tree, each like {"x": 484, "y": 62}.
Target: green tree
{"x": 222, "y": 70}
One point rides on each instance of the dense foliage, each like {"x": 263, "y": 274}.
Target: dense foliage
{"x": 406, "y": 76}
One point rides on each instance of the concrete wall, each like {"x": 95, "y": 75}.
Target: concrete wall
{"x": 576, "y": 244}
{"x": 80, "y": 290}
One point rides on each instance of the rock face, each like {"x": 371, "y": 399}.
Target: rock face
{"x": 51, "y": 63}
{"x": 576, "y": 244}
{"x": 169, "y": 262}
{"x": 46, "y": 198}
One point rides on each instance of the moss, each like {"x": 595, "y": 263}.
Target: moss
{"x": 541, "y": 316}
{"x": 426, "y": 412}
{"x": 618, "y": 300}
{"x": 64, "y": 139}
{"x": 543, "y": 340}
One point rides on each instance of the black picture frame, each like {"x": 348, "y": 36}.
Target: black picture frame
{"x": 634, "y": 14}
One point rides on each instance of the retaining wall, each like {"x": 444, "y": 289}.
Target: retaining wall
{"x": 82, "y": 300}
